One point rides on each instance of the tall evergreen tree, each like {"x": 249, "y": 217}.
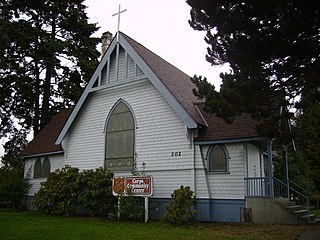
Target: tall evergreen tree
{"x": 47, "y": 55}
{"x": 272, "y": 48}
{"x": 274, "y": 53}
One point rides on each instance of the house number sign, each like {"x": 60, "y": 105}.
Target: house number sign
{"x": 175, "y": 154}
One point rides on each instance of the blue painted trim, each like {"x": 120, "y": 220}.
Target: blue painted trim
{"x": 231, "y": 140}
{"x": 219, "y": 210}
{"x": 208, "y": 210}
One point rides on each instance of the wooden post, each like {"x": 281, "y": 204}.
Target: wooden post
{"x": 270, "y": 168}
{"x": 119, "y": 207}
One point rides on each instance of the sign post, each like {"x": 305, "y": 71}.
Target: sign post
{"x": 146, "y": 209}
{"x": 139, "y": 186}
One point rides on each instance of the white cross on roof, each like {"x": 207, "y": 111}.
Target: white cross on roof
{"x": 118, "y": 13}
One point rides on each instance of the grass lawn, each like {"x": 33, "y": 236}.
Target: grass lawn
{"x": 33, "y": 226}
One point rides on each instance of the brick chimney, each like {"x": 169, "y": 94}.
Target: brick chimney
{"x": 106, "y": 39}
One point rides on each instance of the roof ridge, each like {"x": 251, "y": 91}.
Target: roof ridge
{"x": 157, "y": 55}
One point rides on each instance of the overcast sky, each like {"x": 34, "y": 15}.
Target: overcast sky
{"x": 161, "y": 26}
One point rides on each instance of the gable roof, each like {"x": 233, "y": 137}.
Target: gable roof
{"x": 218, "y": 130}
{"x": 44, "y": 142}
{"x": 174, "y": 85}
{"x": 175, "y": 80}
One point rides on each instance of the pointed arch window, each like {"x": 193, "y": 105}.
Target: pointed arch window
{"x": 218, "y": 159}
{"x": 120, "y": 135}
{"x": 41, "y": 168}
{"x": 37, "y": 169}
{"x": 46, "y": 168}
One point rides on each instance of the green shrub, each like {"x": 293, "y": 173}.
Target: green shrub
{"x": 96, "y": 190}
{"x": 58, "y": 195}
{"x": 13, "y": 188}
{"x": 131, "y": 208}
{"x": 181, "y": 208}
{"x": 68, "y": 190}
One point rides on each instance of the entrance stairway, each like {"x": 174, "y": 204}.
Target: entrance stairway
{"x": 269, "y": 203}
{"x": 298, "y": 213}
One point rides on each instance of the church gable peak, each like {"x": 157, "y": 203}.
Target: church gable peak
{"x": 126, "y": 61}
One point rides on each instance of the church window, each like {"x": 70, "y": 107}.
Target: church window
{"x": 120, "y": 136}
{"x": 45, "y": 168}
{"x": 218, "y": 159}
{"x": 42, "y": 168}
{"x": 37, "y": 168}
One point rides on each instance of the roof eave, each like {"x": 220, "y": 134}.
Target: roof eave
{"x": 42, "y": 154}
{"x": 229, "y": 140}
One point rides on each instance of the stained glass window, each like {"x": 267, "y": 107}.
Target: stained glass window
{"x": 120, "y": 139}
{"x": 218, "y": 159}
{"x": 45, "y": 168}
{"x": 37, "y": 169}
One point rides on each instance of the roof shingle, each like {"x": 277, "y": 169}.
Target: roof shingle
{"x": 243, "y": 126}
{"x": 44, "y": 142}
{"x": 177, "y": 82}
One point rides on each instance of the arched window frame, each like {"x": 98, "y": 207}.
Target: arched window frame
{"x": 46, "y": 169}
{"x": 39, "y": 170}
{"x": 113, "y": 109}
{"x": 210, "y": 158}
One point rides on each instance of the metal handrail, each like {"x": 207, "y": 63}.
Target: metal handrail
{"x": 297, "y": 192}
{"x": 309, "y": 193}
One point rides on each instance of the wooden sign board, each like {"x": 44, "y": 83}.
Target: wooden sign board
{"x": 133, "y": 185}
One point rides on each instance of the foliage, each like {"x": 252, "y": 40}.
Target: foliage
{"x": 68, "y": 190}
{"x": 272, "y": 49}
{"x": 13, "y": 147}
{"x": 96, "y": 190}
{"x": 13, "y": 188}
{"x": 299, "y": 171}
{"x": 131, "y": 208}
{"x": 181, "y": 209}
{"x": 59, "y": 194}
{"x": 47, "y": 55}
{"x": 308, "y": 132}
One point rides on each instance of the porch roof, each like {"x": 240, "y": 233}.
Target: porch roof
{"x": 243, "y": 128}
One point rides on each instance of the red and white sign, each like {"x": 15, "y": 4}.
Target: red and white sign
{"x": 133, "y": 185}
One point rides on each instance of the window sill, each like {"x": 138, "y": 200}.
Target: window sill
{"x": 218, "y": 173}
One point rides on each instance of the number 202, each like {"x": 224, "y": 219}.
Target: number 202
{"x": 175, "y": 154}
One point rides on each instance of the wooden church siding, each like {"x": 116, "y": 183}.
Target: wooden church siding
{"x": 122, "y": 69}
{"x": 202, "y": 187}
{"x": 230, "y": 185}
{"x": 35, "y": 186}
{"x": 86, "y": 139}
{"x": 56, "y": 162}
{"x": 254, "y": 169}
{"x": 160, "y": 134}
{"x": 165, "y": 182}
{"x": 131, "y": 72}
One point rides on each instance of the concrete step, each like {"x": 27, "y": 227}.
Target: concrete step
{"x": 301, "y": 212}
{"x": 308, "y": 218}
{"x": 293, "y": 208}
{"x": 315, "y": 221}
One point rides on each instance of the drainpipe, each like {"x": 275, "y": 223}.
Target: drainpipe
{"x": 270, "y": 168}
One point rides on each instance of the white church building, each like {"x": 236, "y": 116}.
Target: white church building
{"x": 139, "y": 110}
